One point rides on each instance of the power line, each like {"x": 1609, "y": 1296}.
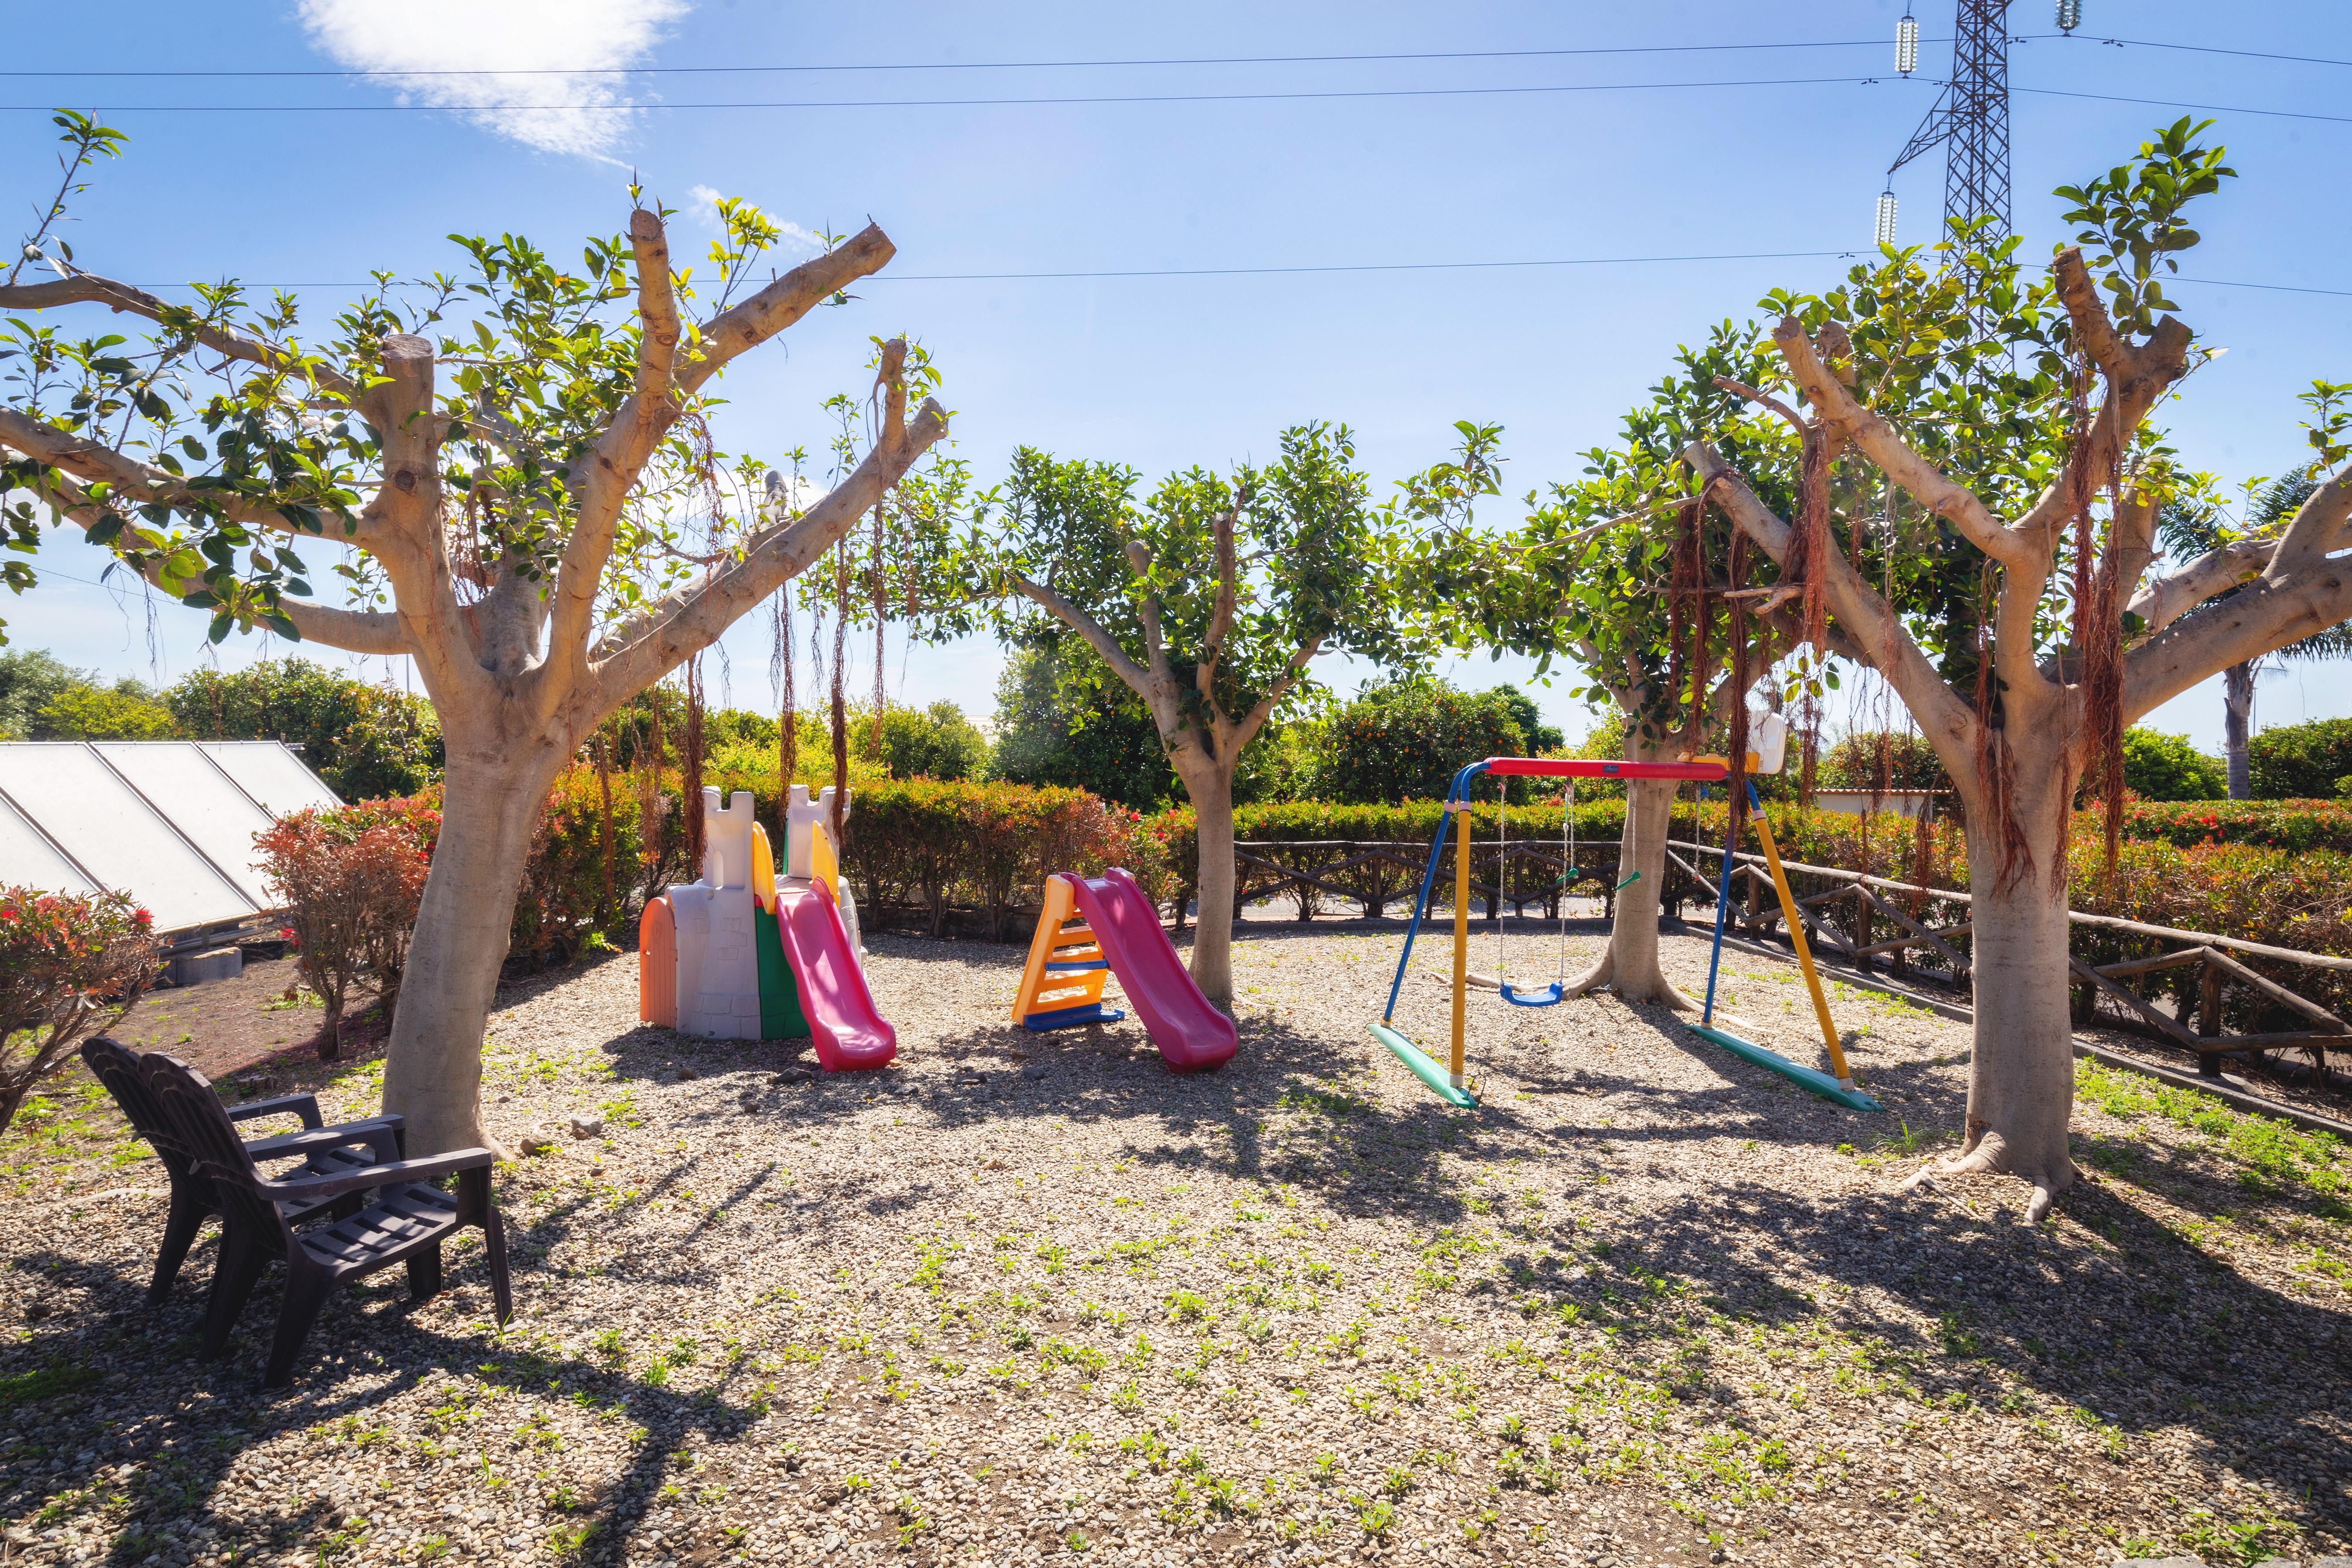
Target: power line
{"x": 935, "y": 103}
{"x": 1366, "y": 267}
{"x": 975, "y": 65}
{"x": 2199, "y": 107}
{"x": 2197, "y": 49}
{"x": 1125, "y": 64}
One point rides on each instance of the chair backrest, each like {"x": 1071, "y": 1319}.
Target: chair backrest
{"x": 118, "y": 1066}
{"x": 196, "y": 1114}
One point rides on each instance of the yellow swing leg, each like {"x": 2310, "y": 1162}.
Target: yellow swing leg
{"x": 1804, "y": 952}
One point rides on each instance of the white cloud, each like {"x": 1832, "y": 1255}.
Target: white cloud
{"x": 705, "y": 208}
{"x": 502, "y": 39}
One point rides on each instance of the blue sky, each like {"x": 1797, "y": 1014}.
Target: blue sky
{"x": 1165, "y": 371}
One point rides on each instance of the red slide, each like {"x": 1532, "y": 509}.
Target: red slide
{"x": 1192, "y": 1036}
{"x": 849, "y": 1033}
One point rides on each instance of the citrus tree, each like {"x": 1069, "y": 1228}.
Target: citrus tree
{"x": 2013, "y": 406}
{"x": 516, "y": 463}
{"x": 1209, "y": 598}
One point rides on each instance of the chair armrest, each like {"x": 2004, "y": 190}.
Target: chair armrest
{"x": 380, "y": 1136}
{"x": 305, "y": 1106}
{"x": 306, "y": 1187}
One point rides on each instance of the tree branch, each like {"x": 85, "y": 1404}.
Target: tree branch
{"x": 1147, "y": 610}
{"x": 621, "y": 452}
{"x": 784, "y": 301}
{"x": 651, "y": 643}
{"x": 1252, "y": 723}
{"x": 1221, "y": 622}
{"x": 353, "y": 631}
{"x": 89, "y": 289}
{"x": 2168, "y": 598}
{"x": 1879, "y": 443}
{"x": 2259, "y": 619}
{"x": 2318, "y": 526}
{"x": 1873, "y": 634}
{"x": 138, "y": 484}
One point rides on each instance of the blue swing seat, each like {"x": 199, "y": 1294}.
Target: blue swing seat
{"x": 1543, "y": 998}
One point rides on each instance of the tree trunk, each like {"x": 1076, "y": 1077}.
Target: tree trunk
{"x": 432, "y": 1067}
{"x": 1210, "y": 787}
{"x": 2237, "y": 711}
{"x": 2022, "y": 1069}
{"x": 1630, "y": 966}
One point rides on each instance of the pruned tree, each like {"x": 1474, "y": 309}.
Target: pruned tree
{"x": 2015, "y": 409}
{"x": 2197, "y": 532}
{"x": 1626, "y": 572}
{"x": 520, "y": 467}
{"x": 1209, "y": 599}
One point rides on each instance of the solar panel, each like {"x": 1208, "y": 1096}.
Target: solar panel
{"x": 170, "y": 823}
{"x": 271, "y": 774}
{"x": 210, "y": 811}
{"x": 29, "y": 860}
{"x": 119, "y": 838}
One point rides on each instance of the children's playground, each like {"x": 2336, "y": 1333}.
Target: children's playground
{"x": 1017, "y": 1253}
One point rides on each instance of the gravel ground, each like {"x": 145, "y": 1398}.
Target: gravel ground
{"x": 1019, "y": 1297}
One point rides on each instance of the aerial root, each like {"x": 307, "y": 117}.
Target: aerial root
{"x": 1979, "y": 1162}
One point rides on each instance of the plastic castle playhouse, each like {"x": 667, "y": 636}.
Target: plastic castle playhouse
{"x": 747, "y": 954}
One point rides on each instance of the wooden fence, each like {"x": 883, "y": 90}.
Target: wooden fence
{"x": 2220, "y": 1001}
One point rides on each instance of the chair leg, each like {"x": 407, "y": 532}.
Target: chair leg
{"x": 306, "y": 1292}
{"x": 233, "y": 1277}
{"x": 494, "y": 1244}
{"x": 424, "y": 1273}
{"x": 187, "y": 1218}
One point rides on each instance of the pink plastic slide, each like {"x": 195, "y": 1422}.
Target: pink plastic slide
{"x": 850, "y": 1034}
{"x": 1192, "y": 1036}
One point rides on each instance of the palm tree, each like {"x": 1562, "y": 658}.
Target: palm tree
{"x": 2188, "y": 531}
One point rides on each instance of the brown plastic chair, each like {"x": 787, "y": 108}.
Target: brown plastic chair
{"x": 406, "y": 1220}
{"x": 324, "y": 1150}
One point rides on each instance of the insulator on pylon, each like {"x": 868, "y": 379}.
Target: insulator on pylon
{"x": 1885, "y": 218}
{"x": 1906, "y": 44}
{"x": 2070, "y": 14}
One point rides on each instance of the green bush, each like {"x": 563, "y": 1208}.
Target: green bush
{"x": 1877, "y": 759}
{"x": 95, "y": 713}
{"x": 367, "y": 742}
{"x": 2266, "y": 824}
{"x": 934, "y": 743}
{"x": 991, "y": 845}
{"x": 1062, "y": 719}
{"x": 1405, "y": 740}
{"x": 2301, "y": 761}
{"x": 2158, "y": 766}
{"x": 30, "y": 681}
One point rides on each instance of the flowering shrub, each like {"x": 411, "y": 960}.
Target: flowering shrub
{"x": 70, "y": 967}
{"x": 351, "y": 879}
{"x": 2269, "y": 824}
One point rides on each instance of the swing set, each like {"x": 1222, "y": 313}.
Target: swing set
{"x": 1449, "y": 1082}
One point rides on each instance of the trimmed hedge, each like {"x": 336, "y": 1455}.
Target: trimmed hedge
{"x": 2268, "y": 824}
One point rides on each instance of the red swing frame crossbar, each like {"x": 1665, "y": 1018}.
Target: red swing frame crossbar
{"x": 1595, "y": 768}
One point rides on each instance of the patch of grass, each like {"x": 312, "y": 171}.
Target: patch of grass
{"x": 44, "y": 1382}
{"x": 2272, "y": 1151}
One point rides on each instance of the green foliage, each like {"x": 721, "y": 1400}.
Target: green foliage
{"x": 92, "y": 713}
{"x": 2158, "y": 766}
{"x": 1406, "y": 739}
{"x": 2130, "y": 217}
{"x": 1064, "y": 719}
{"x": 367, "y": 742}
{"x": 1239, "y": 579}
{"x": 30, "y": 681}
{"x": 934, "y": 743}
{"x": 1882, "y": 759}
{"x": 2301, "y": 761}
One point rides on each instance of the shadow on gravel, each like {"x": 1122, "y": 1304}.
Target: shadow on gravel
{"x": 188, "y": 1439}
